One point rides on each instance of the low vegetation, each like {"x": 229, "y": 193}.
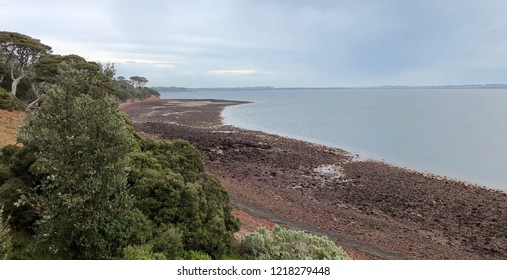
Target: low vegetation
{"x": 286, "y": 244}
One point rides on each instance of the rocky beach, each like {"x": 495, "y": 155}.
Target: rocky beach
{"x": 372, "y": 209}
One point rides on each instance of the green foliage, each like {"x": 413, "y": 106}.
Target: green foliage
{"x": 17, "y": 183}
{"x": 23, "y": 249}
{"x": 210, "y": 224}
{"x": 285, "y": 244}
{"x": 124, "y": 89}
{"x": 141, "y": 252}
{"x": 6, "y": 101}
{"x": 142, "y": 229}
{"x": 9, "y": 103}
{"x": 46, "y": 69}
{"x": 232, "y": 256}
{"x": 5, "y": 172}
{"x": 195, "y": 255}
{"x": 21, "y": 160}
{"x": 168, "y": 242}
{"x": 82, "y": 143}
{"x": 23, "y": 215}
{"x": 170, "y": 187}
{"x": 178, "y": 156}
{"x": 5, "y": 238}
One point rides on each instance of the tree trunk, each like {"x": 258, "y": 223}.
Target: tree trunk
{"x": 36, "y": 91}
{"x": 15, "y": 82}
{"x": 14, "y": 86}
{"x": 32, "y": 104}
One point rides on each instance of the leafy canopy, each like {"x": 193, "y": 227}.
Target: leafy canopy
{"x": 82, "y": 143}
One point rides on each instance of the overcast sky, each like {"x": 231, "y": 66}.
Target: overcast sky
{"x": 212, "y": 43}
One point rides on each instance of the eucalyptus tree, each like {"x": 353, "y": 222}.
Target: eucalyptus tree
{"x": 138, "y": 81}
{"x": 19, "y": 53}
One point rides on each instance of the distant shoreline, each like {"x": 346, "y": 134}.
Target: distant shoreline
{"x": 373, "y": 209}
{"x": 388, "y": 87}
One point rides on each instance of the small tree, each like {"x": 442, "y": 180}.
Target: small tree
{"x": 83, "y": 142}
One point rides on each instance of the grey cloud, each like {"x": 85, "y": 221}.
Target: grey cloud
{"x": 286, "y": 43}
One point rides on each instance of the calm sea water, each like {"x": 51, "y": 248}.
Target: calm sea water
{"x": 456, "y": 133}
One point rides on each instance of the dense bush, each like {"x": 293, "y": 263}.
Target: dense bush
{"x": 141, "y": 252}
{"x": 5, "y": 99}
{"x": 286, "y": 244}
{"x": 178, "y": 156}
{"x": 8, "y": 103}
{"x": 170, "y": 187}
{"x": 17, "y": 186}
{"x": 168, "y": 241}
{"x": 5, "y": 172}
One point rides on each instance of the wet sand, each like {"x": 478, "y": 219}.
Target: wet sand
{"x": 372, "y": 209}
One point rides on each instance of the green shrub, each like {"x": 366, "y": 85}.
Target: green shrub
{"x": 195, "y": 255}
{"x": 141, "y": 228}
{"x": 7, "y": 152}
{"x": 233, "y": 256}
{"x": 9, "y": 103}
{"x": 6, "y": 101}
{"x": 17, "y": 187}
{"x": 5, "y": 172}
{"x": 23, "y": 248}
{"x": 141, "y": 252}
{"x": 286, "y": 244}
{"x": 170, "y": 186}
{"x": 168, "y": 242}
{"x": 178, "y": 156}
{"x": 14, "y": 194}
{"x": 22, "y": 160}
{"x": 212, "y": 224}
